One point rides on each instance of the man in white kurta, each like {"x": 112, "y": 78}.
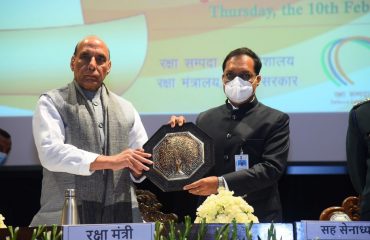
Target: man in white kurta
{"x": 90, "y": 139}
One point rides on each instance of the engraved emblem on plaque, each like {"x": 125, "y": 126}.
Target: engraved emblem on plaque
{"x": 178, "y": 155}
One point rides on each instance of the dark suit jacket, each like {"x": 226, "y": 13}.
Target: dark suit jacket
{"x": 358, "y": 154}
{"x": 263, "y": 134}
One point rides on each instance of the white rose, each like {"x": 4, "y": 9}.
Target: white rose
{"x": 224, "y": 207}
{"x": 2, "y": 224}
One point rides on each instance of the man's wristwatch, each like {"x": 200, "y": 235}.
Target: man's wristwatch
{"x": 221, "y": 182}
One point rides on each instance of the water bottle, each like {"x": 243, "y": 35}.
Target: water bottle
{"x": 70, "y": 212}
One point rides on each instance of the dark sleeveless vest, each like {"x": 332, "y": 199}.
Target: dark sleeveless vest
{"x": 106, "y": 196}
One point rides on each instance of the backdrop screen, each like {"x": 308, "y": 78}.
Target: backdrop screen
{"x": 167, "y": 59}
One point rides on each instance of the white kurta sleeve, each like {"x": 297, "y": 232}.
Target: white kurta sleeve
{"x": 49, "y": 136}
{"x": 137, "y": 135}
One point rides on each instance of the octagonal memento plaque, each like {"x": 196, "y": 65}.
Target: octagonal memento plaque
{"x": 180, "y": 155}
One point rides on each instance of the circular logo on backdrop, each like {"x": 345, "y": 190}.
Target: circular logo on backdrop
{"x": 330, "y": 59}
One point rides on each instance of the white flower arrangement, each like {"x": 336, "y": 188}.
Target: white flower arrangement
{"x": 2, "y": 224}
{"x": 224, "y": 207}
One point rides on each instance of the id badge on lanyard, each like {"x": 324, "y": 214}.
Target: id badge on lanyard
{"x": 241, "y": 161}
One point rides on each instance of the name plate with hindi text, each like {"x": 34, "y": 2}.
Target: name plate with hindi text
{"x": 132, "y": 231}
{"x": 352, "y": 230}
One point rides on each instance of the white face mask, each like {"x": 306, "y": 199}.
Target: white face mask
{"x": 3, "y": 157}
{"x": 238, "y": 90}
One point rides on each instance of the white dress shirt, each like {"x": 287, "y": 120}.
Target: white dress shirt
{"x": 55, "y": 155}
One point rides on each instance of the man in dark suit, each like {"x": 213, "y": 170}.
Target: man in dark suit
{"x": 358, "y": 154}
{"x": 243, "y": 129}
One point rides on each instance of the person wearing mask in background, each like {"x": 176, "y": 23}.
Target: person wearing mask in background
{"x": 358, "y": 154}
{"x": 89, "y": 139}
{"x": 251, "y": 139}
{"x": 5, "y": 145}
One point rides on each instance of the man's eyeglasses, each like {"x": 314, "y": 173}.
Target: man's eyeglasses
{"x": 246, "y": 76}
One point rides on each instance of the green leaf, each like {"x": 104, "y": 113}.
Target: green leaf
{"x": 188, "y": 226}
{"x": 221, "y": 232}
{"x": 171, "y": 234}
{"x": 184, "y": 234}
{"x": 37, "y": 232}
{"x": 248, "y": 231}
{"x": 202, "y": 229}
{"x": 271, "y": 233}
{"x": 158, "y": 229}
{"x": 235, "y": 230}
{"x": 13, "y": 232}
{"x": 55, "y": 234}
{"x": 225, "y": 233}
